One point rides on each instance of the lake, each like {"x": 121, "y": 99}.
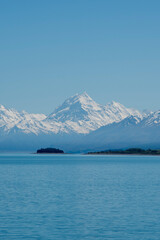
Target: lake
{"x": 75, "y": 197}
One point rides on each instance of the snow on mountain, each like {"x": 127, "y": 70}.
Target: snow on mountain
{"x": 132, "y": 131}
{"x": 116, "y": 109}
{"x": 78, "y": 114}
{"x": 129, "y": 121}
{"x": 8, "y": 118}
{"x": 127, "y": 133}
{"x": 118, "y": 128}
{"x": 81, "y": 114}
{"x": 152, "y": 119}
{"x": 80, "y": 124}
{"x": 11, "y": 119}
{"x": 30, "y": 123}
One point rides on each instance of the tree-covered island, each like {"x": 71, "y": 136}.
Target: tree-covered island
{"x": 130, "y": 151}
{"x": 50, "y": 150}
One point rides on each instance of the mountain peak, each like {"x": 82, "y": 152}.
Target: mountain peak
{"x": 78, "y": 101}
{"x": 75, "y": 108}
{"x": 115, "y": 104}
{"x": 84, "y": 94}
{"x": 82, "y": 114}
{"x": 83, "y": 97}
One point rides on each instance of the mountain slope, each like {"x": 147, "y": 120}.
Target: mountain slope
{"x": 130, "y": 132}
{"x": 153, "y": 119}
{"x": 79, "y": 114}
{"x": 12, "y": 120}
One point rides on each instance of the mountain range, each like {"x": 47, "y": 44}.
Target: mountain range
{"x": 79, "y": 124}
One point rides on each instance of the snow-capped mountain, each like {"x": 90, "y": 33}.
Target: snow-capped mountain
{"x": 12, "y": 120}
{"x": 81, "y": 114}
{"x": 153, "y": 119}
{"x": 8, "y": 118}
{"x": 130, "y": 132}
{"x": 78, "y": 114}
{"x": 79, "y": 123}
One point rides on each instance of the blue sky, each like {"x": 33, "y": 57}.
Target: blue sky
{"x": 50, "y": 50}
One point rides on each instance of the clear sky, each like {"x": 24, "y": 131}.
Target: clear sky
{"x": 52, "y": 49}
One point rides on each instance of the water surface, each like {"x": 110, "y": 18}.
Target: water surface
{"x": 75, "y": 197}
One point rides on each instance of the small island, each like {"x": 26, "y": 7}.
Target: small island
{"x": 130, "y": 151}
{"x": 49, "y": 151}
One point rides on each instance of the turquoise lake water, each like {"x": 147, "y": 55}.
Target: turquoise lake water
{"x": 75, "y": 197}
